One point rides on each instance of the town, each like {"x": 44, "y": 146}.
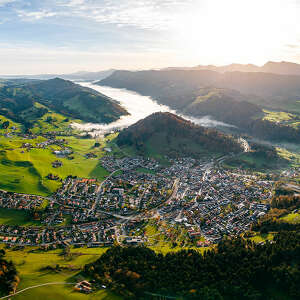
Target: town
{"x": 204, "y": 200}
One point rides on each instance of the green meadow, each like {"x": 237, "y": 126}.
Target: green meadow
{"x": 16, "y": 217}
{"x": 25, "y": 171}
{"x": 293, "y": 218}
{"x": 32, "y": 270}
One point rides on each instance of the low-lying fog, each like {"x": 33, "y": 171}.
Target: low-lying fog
{"x": 138, "y": 107}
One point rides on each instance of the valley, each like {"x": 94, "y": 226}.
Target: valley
{"x": 72, "y": 189}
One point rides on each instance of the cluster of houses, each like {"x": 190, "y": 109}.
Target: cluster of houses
{"x": 45, "y": 144}
{"x": 133, "y": 191}
{"x": 76, "y": 198}
{"x": 218, "y": 201}
{"x": 201, "y": 197}
{"x": 94, "y": 234}
{"x": 83, "y": 286}
{"x": 20, "y": 201}
{"x": 111, "y": 163}
{"x": 52, "y": 141}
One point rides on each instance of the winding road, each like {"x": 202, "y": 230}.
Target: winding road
{"x": 37, "y": 286}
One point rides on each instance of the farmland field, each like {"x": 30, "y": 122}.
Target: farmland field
{"x": 31, "y": 267}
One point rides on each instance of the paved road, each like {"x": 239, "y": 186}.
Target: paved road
{"x": 99, "y": 189}
{"x": 37, "y": 286}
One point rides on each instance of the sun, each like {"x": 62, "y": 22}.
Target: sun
{"x": 237, "y": 31}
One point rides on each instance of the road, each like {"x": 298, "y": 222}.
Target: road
{"x": 37, "y": 286}
{"x": 126, "y": 219}
{"x": 99, "y": 189}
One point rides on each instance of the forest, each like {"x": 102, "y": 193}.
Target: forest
{"x": 236, "y": 269}
{"x": 26, "y": 102}
{"x": 176, "y": 136}
{"x": 281, "y": 205}
{"x": 8, "y": 276}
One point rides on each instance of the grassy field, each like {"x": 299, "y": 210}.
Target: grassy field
{"x": 262, "y": 237}
{"x": 293, "y": 218}
{"x": 292, "y": 156}
{"x": 16, "y": 217}
{"x": 25, "y": 171}
{"x": 278, "y": 116}
{"x": 254, "y": 162}
{"x": 31, "y": 267}
{"x": 158, "y": 242}
{"x": 145, "y": 170}
{"x": 11, "y": 124}
{"x": 31, "y": 270}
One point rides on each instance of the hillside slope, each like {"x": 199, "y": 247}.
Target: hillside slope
{"x": 61, "y": 96}
{"x": 169, "y": 134}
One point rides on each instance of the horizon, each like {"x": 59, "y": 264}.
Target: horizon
{"x": 64, "y": 36}
{"x": 135, "y": 70}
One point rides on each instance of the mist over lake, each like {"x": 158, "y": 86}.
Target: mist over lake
{"x": 138, "y": 107}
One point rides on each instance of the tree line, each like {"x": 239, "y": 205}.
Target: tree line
{"x": 236, "y": 269}
{"x": 8, "y": 275}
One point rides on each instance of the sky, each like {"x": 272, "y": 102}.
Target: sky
{"x": 64, "y": 36}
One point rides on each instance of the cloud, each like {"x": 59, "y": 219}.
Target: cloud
{"x": 144, "y": 14}
{"x": 141, "y": 14}
{"x": 73, "y": 3}
{"x": 36, "y": 15}
{"x": 4, "y": 2}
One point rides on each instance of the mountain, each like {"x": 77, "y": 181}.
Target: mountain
{"x": 16, "y": 81}
{"x": 189, "y": 92}
{"x": 236, "y": 98}
{"x": 164, "y": 133}
{"x": 77, "y": 76}
{"x": 221, "y": 69}
{"x": 154, "y": 83}
{"x": 224, "y": 105}
{"x": 281, "y": 68}
{"x": 65, "y": 97}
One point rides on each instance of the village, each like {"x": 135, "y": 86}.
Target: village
{"x": 204, "y": 200}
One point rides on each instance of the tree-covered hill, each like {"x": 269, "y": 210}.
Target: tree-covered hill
{"x": 169, "y": 134}
{"x": 61, "y": 96}
{"x": 236, "y": 270}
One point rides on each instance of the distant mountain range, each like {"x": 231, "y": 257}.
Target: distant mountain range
{"x": 77, "y": 76}
{"x": 282, "y": 68}
{"x": 164, "y": 133}
{"x": 260, "y": 87}
{"x": 25, "y": 101}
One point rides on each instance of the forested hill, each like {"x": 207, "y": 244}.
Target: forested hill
{"x": 236, "y": 270}
{"x": 169, "y": 134}
{"x": 62, "y": 96}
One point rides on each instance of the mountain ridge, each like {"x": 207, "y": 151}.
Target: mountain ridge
{"x": 61, "y": 96}
{"x": 280, "y": 68}
{"x": 76, "y": 76}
